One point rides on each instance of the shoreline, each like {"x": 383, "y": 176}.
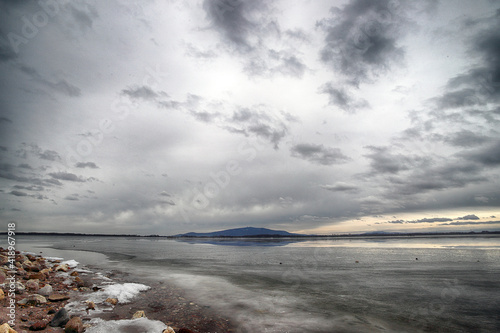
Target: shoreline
{"x": 153, "y": 307}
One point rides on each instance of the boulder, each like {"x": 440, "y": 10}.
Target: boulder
{"x": 139, "y": 314}
{"x": 5, "y": 328}
{"x": 74, "y": 325}
{"x": 60, "y": 318}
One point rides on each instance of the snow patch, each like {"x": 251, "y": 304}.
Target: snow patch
{"x": 139, "y": 325}
{"x": 123, "y": 292}
{"x": 71, "y": 263}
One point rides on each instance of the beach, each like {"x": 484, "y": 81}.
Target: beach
{"x": 96, "y": 301}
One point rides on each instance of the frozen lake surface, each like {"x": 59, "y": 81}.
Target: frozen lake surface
{"x": 438, "y": 284}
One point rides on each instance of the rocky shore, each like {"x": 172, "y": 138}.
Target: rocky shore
{"x": 53, "y": 295}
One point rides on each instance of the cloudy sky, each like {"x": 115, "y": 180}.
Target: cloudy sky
{"x": 162, "y": 117}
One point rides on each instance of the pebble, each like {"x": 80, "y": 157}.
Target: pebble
{"x": 60, "y": 318}
{"x": 139, "y": 314}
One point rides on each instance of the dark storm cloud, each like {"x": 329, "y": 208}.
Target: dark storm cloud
{"x": 62, "y": 86}
{"x": 435, "y": 177}
{"x": 72, "y": 197}
{"x": 248, "y": 28}
{"x": 468, "y": 217}
{"x": 343, "y": 99}
{"x": 488, "y": 155}
{"x": 234, "y": 19}
{"x": 340, "y": 187}
{"x": 319, "y": 154}
{"x": 18, "y": 193}
{"x": 466, "y": 138}
{"x": 259, "y": 120}
{"x": 383, "y": 161}
{"x": 29, "y": 188}
{"x": 142, "y": 92}
{"x": 362, "y": 38}
{"x": 5, "y": 120}
{"x": 82, "y": 165}
{"x": 67, "y": 176}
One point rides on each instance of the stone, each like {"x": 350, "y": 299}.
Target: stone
{"x": 45, "y": 290}
{"x": 168, "y": 330}
{"x": 33, "y": 285}
{"x": 36, "y": 276}
{"x": 33, "y": 300}
{"x": 38, "y": 326}
{"x": 5, "y": 328}
{"x": 90, "y": 305}
{"x": 60, "y": 318}
{"x": 74, "y": 325}
{"x": 79, "y": 282}
{"x": 58, "y": 297}
{"x": 112, "y": 301}
{"x": 2, "y": 295}
{"x": 3, "y": 260}
{"x": 62, "y": 267}
{"x": 139, "y": 314}
{"x": 20, "y": 288}
{"x": 3, "y": 276}
{"x": 74, "y": 273}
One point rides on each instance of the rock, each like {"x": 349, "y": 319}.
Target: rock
{"x": 33, "y": 300}
{"x": 79, "y": 282}
{"x": 74, "y": 273}
{"x": 3, "y": 276}
{"x": 3, "y": 260}
{"x": 62, "y": 267}
{"x": 27, "y": 264}
{"x": 45, "y": 290}
{"x": 112, "y": 301}
{"x": 38, "y": 326}
{"x": 168, "y": 330}
{"x": 139, "y": 314}
{"x": 90, "y": 305}
{"x": 36, "y": 276}
{"x": 33, "y": 285}
{"x": 74, "y": 325}
{"x": 20, "y": 288}
{"x": 2, "y": 295}
{"x": 60, "y": 318}
{"x": 58, "y": 297}
{"x": 5, "y": 328}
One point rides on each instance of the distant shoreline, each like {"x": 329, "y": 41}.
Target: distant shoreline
{"x": 363, "y": 235}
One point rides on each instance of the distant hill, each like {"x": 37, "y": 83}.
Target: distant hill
{"x": 239, "y": 232}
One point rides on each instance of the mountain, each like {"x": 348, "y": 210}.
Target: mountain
{"x": 240, "y": 232}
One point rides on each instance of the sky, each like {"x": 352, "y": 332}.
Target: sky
{"x": 164, "y": 117}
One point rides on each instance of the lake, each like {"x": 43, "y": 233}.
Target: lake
{"x": 393, "y": 284}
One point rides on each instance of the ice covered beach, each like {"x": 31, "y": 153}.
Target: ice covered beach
{"x": 57, "y": 295}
